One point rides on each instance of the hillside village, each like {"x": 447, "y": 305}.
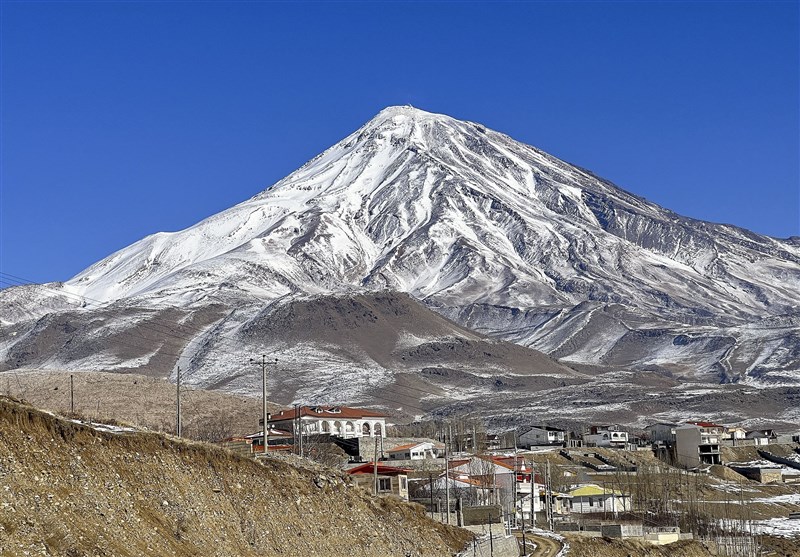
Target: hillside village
{"x": 636, "y": 488}
{"x": 607, "y": 481}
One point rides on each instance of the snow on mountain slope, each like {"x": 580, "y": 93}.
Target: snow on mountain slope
{"x": 494, "y": 234}
{"x": 456, "y": 214}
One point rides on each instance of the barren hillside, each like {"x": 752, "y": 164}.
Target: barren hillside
{"x": 144, "y": 401}
{"x": 71, "y": 490}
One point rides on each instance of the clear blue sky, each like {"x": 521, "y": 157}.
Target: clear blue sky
{"x": 121, "y": 119}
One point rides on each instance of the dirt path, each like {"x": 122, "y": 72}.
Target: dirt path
{"x": 545, "y": 547}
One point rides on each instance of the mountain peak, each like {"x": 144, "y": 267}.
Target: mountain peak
{"x": 403, "y": 110}
{"x": 491, "y": 232}
{"x": 402, "y": 116}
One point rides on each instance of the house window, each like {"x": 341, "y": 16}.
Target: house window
{"x": 384, "y": 484}
{"x": 403, "y": 483}
{"x": 591, "y": 502}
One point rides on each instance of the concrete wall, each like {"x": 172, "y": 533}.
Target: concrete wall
{"x": 474, "y": 516}
{"x": 763, "y": 475}
{"x": 687, "y": 441}
{"x": 662, "y": 538}
{"x": 500, "y": 545}
{"x": 623, "y": 530}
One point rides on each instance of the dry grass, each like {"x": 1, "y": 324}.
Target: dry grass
{"x": 143, "y": 401}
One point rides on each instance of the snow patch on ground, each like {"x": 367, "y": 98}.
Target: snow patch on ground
{"x": 108, "y": 428}
{"x": 790, "y": 499}
{"x": 783, "y": 527}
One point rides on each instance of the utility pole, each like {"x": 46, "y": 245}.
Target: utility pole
{"x": 300, "y": 428}
{"x": 447, "y": 477}
{"x": 514, "y": 479}
{"x": 264, "y": 363}
{"x": 430, "y": 487}
{"x": 178, "y": 423}
{"x": 296, "y": 429}
{"x": 71, "y": 396}
{"x": 375, "y": 469}
{"x": 548, "y": 491}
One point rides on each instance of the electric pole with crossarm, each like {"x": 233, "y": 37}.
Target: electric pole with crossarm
{"x": 264, "y": 363}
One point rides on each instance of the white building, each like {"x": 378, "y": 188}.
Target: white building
{"x": 416, "y": 451}
{"x": 606, "y": 436}
{"x": 340, "y": 421}
{"x": 595, "y": 499}
{"x": 734, "y": 433}
{"x": 542, "y": 435}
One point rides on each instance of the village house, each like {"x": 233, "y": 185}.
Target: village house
{"x": 560, "y": 502}
{"x": 416, "y": 451}
{"x": 339, "y": 421}
{"x": 390, "y": 479}
{"x": 592, "y": 498}
{"x": 542, "y": 435}
{"x": 662, "y": 432}
{"x": 698, "y": 443}
{"x": 248, "y": 445}
{"x": 494, "y": 441}
{"x": 734, "y": 434}
{"x": 474, "y": 491}
{"x": 481, "y": 479}
{"x": 606, "y": 436}
{"x": 761, "y": 436}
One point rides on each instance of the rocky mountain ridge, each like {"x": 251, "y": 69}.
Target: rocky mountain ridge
{"x": 498, "y": 237}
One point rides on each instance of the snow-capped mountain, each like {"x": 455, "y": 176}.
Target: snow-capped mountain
{"x": 493, "y": 234}
{"x": 456, "y": 214}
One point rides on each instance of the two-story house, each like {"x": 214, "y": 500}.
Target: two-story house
{"x": 541, "y": 435}
{"x": 698, "y": 443}
{"x": 339, "y": 421}
{"x": 606, "y": 436}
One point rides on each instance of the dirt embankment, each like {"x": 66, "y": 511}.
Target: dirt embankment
{"x": 68, "y": 490}
{"x": 606, "y": 547}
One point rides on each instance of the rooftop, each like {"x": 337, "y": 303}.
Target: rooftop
{"x": 333, "y": 412}
{"x": 594, "y": 490}
{"x": 383, "y": 470}
{"x": 705, "y": 424}
{"x": 407, "y": 446}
